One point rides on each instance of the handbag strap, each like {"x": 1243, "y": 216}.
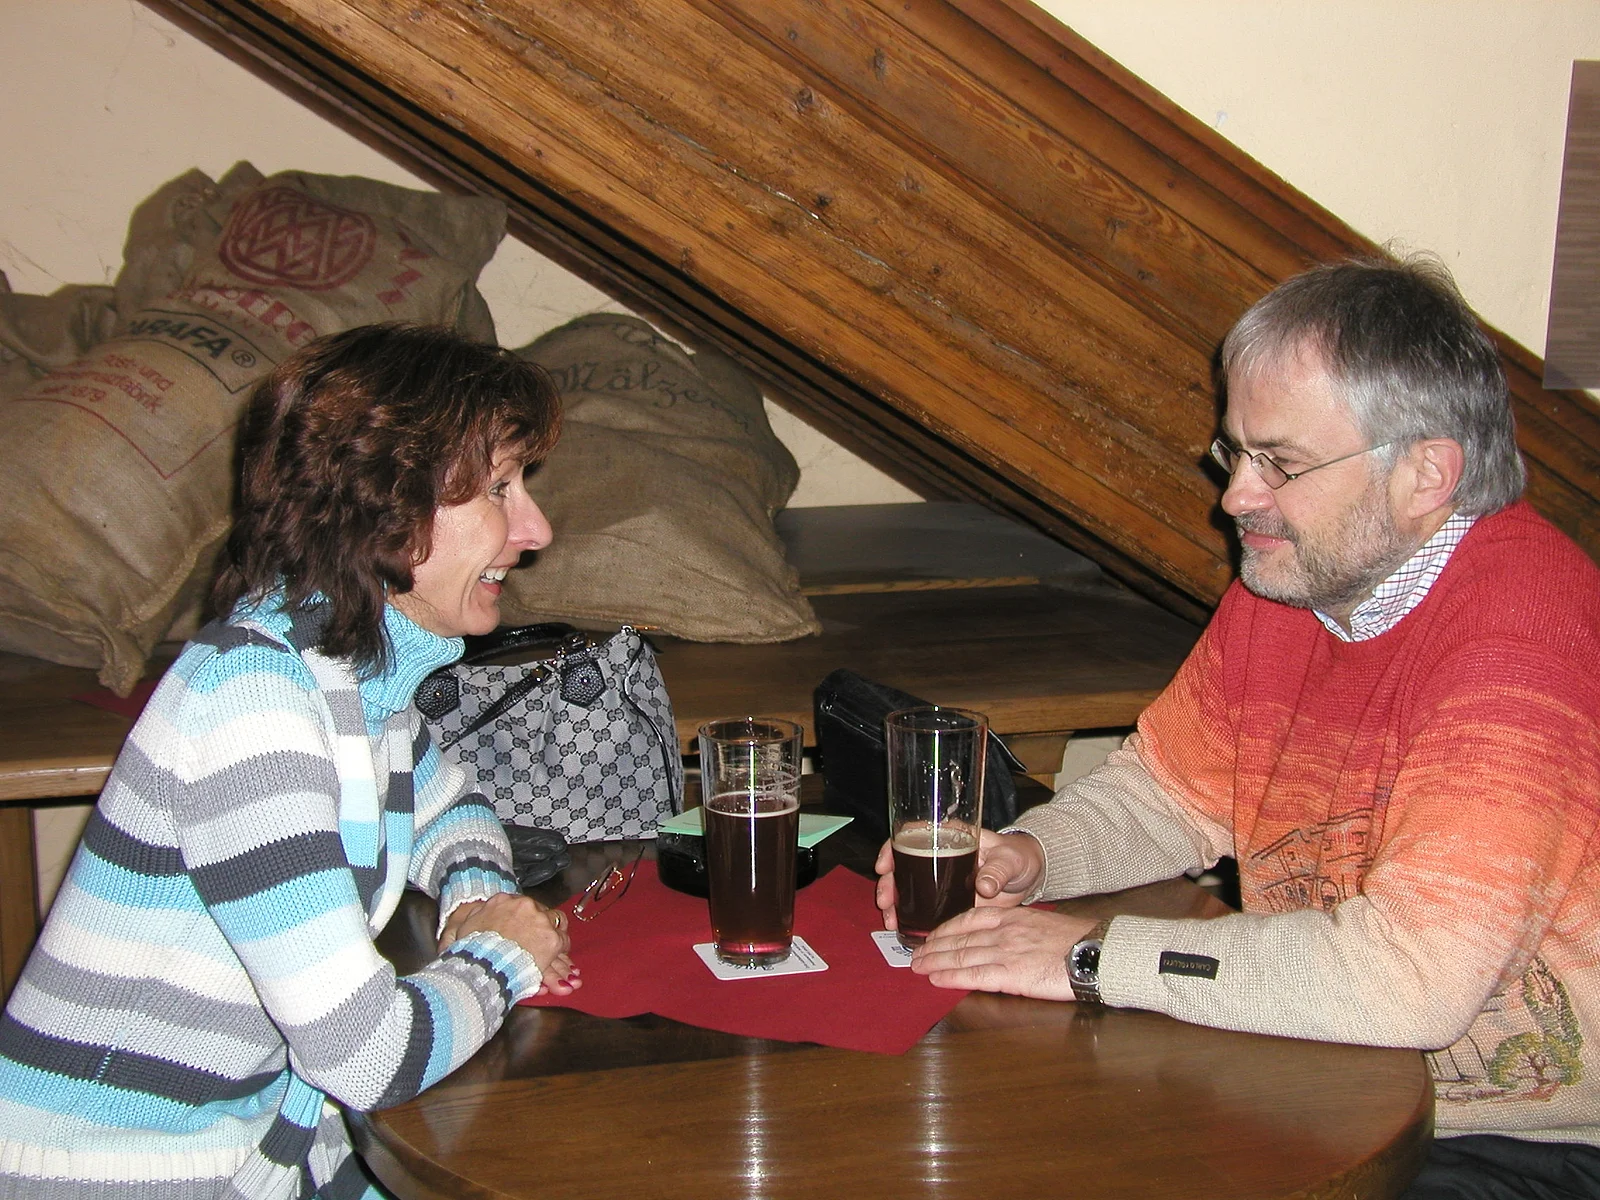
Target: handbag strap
{"x": 666, "y": 740}
{"x": 481, "y": 647}
{"x": 536, "y": 675}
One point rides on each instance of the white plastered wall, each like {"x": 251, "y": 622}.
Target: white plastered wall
{"x": 1435, "y": 125}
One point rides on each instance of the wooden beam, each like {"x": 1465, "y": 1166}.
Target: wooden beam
{"x": 1572, "y": 337}
{"x": 950, "y": 231}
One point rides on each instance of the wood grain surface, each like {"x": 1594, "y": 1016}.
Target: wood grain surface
{"x": 1005, "y": 1097}
{"x": 1037, "y": 659}
{"x": 957, "y": 236}
{"x": 50, "y": 744}
{"x": 19, "y": 904}
{"x": 1572, "y": 338}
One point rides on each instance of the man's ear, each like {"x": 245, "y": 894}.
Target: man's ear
{"x": 1428, "y": 474}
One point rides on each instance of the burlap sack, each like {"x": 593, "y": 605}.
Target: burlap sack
{"x": 16, "y": 374}
{"x": 116, "y": 471}
{"x": 39, "y": 334}
{"x": 661, "y": 493}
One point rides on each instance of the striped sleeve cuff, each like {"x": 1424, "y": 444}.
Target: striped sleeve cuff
{"x": 517, "y": 970}
{"x": 471, "y": 882}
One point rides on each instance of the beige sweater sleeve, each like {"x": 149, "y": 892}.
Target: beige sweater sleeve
{"x": 1117, "y": 828}
{"x": 1277, "y": 974}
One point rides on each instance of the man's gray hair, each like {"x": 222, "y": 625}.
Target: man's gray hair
{"x": 1405, "y": 353}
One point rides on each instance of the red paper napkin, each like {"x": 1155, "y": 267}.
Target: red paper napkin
{"x": 130, "y": 706}
{"x": 637, "y": 957}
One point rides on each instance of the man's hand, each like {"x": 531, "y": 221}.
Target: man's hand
{"x": 1008, "y": 868}
{"x": 541, "y": 931}
{"x": 1022, "y": 951}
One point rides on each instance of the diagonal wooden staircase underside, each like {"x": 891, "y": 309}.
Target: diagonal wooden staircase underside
{"x": 952, "y": 233}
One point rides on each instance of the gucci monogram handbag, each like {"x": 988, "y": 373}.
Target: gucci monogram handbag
{"x": 581, "y": 742}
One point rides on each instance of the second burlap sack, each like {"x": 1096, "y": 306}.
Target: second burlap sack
{"x": 661, "y": 494}
{"x": 116, "y": 470}
{"x": 40, "y": 334}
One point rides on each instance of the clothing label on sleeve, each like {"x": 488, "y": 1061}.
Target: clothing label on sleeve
{"x": 1201, "y": 966}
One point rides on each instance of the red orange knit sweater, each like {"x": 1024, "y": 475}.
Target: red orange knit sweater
{"x": 1415, "y": 820}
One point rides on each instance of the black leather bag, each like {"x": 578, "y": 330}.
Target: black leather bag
{"x": 581, "y": 743}
{"x": 848, "y": 710}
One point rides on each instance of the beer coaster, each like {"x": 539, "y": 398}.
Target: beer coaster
{"x": 889, "y": 946}
{"x": 802, "y": 960}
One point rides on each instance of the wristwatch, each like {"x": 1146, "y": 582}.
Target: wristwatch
{"x": 1083, "y": 964}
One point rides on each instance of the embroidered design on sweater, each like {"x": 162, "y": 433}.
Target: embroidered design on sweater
{"x": 1525, "y": 1046}
{"x": 1317, "y": 866}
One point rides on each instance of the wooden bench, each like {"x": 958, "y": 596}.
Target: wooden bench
{"x": 946, "y": 601}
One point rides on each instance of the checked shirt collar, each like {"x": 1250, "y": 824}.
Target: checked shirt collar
{"x": 1403, "y": 590}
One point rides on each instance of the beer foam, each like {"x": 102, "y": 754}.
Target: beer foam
{"x": 917, "y": 840}
{"x": 765, "y": 804}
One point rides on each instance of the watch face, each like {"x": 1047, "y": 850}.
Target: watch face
{"x": 1085, "y": 962}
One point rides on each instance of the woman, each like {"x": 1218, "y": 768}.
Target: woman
{"x": 205, "y": 996}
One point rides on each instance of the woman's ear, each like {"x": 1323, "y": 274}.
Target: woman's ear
{"x": 1427, "y": 475}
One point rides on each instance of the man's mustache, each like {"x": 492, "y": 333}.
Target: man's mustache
{"x": 1267, "y": 525}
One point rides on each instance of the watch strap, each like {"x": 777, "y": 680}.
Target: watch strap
{"x": 1083, "y": 964}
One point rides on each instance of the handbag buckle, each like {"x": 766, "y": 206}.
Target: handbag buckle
{"x": 439, "y": 694}
{"x": 582, "y": 681}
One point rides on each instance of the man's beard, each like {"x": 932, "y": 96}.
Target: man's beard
{"x": 1331, "y": 570}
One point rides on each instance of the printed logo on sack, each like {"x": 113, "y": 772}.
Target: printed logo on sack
{"x": 283, "y": 238}
{"x": 229, "y": 357}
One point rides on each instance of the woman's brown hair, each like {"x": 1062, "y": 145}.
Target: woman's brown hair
{"x": 346, "y": 450}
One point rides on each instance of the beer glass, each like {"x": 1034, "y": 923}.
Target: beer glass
{"x": 750, "y": 787}
{"x": 936, "y": 763}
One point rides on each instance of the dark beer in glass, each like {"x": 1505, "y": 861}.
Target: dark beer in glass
{"x": 750, "y": 777}
{"x": 934, "y": 871}
{"x": 752, "y": 844}
{"x": 936, "y": 764}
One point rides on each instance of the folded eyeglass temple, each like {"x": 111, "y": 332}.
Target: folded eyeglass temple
{"x": 607, "y": 889}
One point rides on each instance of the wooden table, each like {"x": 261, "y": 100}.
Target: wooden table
{"x": 1005, "y": 1097}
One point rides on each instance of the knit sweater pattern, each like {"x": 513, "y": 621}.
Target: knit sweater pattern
{"x": 205, "y": 998}
{"x": 1415, "y": 821}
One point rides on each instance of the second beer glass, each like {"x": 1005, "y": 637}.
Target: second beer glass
{"x": 750, "y": 785}
{"x": 936, "y": 764}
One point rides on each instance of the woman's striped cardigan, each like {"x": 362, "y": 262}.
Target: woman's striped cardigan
{"x": 206, "y": 997}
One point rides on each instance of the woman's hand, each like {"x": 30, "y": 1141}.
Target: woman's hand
{"x": 541, "y": 931}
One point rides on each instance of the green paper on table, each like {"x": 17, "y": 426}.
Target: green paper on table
{"x": 813, "y": 826}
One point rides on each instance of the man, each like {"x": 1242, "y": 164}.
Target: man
{"x": 1393, "y": 725}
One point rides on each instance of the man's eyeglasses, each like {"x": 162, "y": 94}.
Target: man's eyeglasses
{"x": 1228, "y": 457}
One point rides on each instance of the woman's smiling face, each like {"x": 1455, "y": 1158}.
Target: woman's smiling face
{"x": 456, "y": 589}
